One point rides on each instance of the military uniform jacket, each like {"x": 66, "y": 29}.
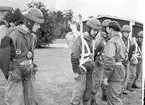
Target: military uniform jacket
{"x": 114, "y": 52}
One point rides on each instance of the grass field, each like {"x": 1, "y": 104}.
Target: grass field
{"x": 55, "y": 79}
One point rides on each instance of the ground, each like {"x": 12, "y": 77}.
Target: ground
{"x": 54, "y": 80}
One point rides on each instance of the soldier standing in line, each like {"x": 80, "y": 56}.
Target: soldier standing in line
{"x": 125, "y": 37}
{"x": 114, "y": 73}
{"x": 100, "y": 42}
{"x": 139, "y": 65}
{"x": 135, "y": 57}
{"x": 82, "y": 60}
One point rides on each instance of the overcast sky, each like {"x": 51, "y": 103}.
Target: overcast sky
{"x": 130, "y": 9}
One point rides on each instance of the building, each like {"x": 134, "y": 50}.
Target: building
{"x": 136, "y": 27}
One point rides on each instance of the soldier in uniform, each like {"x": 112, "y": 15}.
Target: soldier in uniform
{"x": 114, "y": 73}
{"x": 5, "y": 30}
{"x": 139, "y": 65}
{"x": 83, "y": 64}
{"x": 136, "y": 52}
{"x": 125, "y": 37}
{"x": 100, "y": 42}
{"x": 22, "y": 42}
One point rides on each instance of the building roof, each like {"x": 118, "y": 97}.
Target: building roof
{"x": 115, "y": 17}
{"x": 5, "y": 8}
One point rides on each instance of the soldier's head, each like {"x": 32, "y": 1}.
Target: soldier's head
{"x": 105, "y": 25}
{"x": 4, "y": 11}
{"x": 140, "y": 36}
{"x": 33, "y": 17}
{"x": 94, "y": 26}
{"x": 114, "y": 27}
{"x": 125, "y": 31}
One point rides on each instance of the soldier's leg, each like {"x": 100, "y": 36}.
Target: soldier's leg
{"x": 114, "y": 92}
{"x": 78, "y": 92}
{"x": 30, "y": 91}
{"x": 89, "y": 88}
{"x": 131, "y": 77}
{"x": 138, "y": 71}
{"x": 126, "y": 67}
{"x": 14, "y": 91}
{"x": 97, "y": 81}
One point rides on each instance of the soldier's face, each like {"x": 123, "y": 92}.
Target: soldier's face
{"x": 140, "y": 39}
{"x": 126, "y": 34}
{"x": 36, "y": 26}
{"x": 94, "y": 32}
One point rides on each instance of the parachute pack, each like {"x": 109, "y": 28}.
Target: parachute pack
{"x": 71, "y": 37}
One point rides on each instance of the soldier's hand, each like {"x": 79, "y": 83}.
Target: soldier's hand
{"x": 105, "y": 81}
{"x": 76, "y": 76}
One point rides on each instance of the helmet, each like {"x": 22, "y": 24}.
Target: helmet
{"x": 34, "y": 15}
{"x": 126, "y": 28}
{"x": 106, "y": 22}
{"x": 114, "y": 24}
{"x": 94, "y": 23}
{"x": 140, "y": 34}
{"x": 4, "y": 8}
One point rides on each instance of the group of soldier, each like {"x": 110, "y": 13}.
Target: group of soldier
{"x": 106, "y": 57}
{"x": 103, "y": 56}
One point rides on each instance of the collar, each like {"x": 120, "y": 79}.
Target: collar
{"x": 23, "y": 29}
{"x": 115, "y": 35}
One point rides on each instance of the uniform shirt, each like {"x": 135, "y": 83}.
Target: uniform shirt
{"x": 77, "y": 50}
{"x": 24, "y": 41}
{"x": 114, "y": 52}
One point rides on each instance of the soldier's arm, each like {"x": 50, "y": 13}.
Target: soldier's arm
{"x": 109, "y": 59}
{"x": 75, "y": 56}
{"x": 98, "y": 40}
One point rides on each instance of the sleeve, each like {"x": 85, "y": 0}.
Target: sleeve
{"x": 131, "y": 51}
{"x": 109, "y": 59}
{"x": 75, "y": 56}
{"x": 98, "y": 40}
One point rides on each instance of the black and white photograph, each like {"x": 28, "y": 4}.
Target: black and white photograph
{"x": 72, "y": 52}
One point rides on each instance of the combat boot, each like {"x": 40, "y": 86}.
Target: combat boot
{"x": 104, "y": 93}
{"x": 93, "y": 102}
{"x": 104, "y": 97}
{"x": 135, "y": 86}
{"x": 129, "y": 88}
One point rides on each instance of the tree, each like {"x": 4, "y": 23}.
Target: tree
{"x": 14, "y": 17}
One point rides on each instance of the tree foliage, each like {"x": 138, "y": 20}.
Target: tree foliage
{"x": 55, "y": 22}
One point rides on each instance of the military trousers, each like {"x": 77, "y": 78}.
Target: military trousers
{"x": 20, "y": 91}
{"x": 114, "y": 93}
{"x": 132, "y": 74}
{"x": 138, "y": 72}
{"x": 83, "y": 89}
{"x": 97, "y": 80}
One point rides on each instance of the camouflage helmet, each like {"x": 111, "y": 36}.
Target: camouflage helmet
{"x": 106, "y": 22}
{"x": 126, "y": 28}
{"x": 94, "y": 23}
{"x": 115, "y": 25}
{"x": 140, "y": 34}
{"x": 34, "y": 15}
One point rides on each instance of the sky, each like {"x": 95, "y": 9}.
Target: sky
{"x": 129, "y": 9}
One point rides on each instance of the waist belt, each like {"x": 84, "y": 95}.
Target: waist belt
{"x": 26, "y": 62}
{"x": 118, "y": 63}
